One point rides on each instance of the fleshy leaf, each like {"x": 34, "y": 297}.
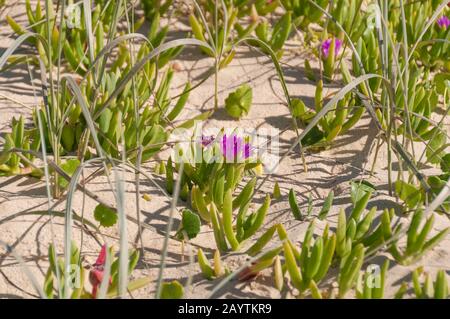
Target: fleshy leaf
{"x": 359, "y": 188}
{"x": 69, "y": 166}
{"x": 172, "y": 290}
{"x": 105, "y": 216}
{"x": 238, "y": 102}
{"x": 408, "y": 193}
{"x": 190, "y": 223}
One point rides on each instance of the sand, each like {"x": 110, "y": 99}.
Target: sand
{"x": 25, "y": 224}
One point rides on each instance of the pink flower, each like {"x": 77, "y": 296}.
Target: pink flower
{"x": 97, "y": 272}
{"x": 443, "y": 22}
{"x": 326, "y": 47}
{"x": 207, "y": 140}
{"x": 233, "y": 146}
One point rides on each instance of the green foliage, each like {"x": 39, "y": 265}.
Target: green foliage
{"x": 208, "y": 271}
{"x": 430, "y": 52}
{"x": 418, "y": 241}
{"x": 343, "y": 116}
{"x": 424, "y": 287}
{"x": 359, "y": 189}
{"x": 326, "y": 206}
{"x": 371, "y": 283}
{"x": 304, "y": 12}
{"x": 128, "y": 113}
{"x": 105, "y": 216}
{"x": 351, "y": 16}
{"x": 276, "y": 194}
{"x": 11, "y": 163}
{"x": 410, "y": 194}
{"x": 305, "y": 267}
{"x": 349, "y": 269}
{"x": 316, "y": 256}
{"x": 294, "y": 205}
{"x": 275, "y": 37}
{"x": 367, "y": 49}
{"x": 238, "y": 103}
{"x": 69, "y": 167}
{"x": 190, "y": 224}
{"x": 216, "y": 199}
{"x": 172, "y": 290}
{"x": 221, "y": 37}
{"x": 155, "y": 7}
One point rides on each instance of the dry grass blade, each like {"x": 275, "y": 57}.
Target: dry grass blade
{"x": 168, "y": 230}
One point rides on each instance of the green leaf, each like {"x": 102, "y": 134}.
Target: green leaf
{"x": 440, "y": 82}
{"x": 69, "y": 166}
{"x": 201, "y": 117}
{"x": 172, "y": 290}
{"x": 238, "y": 103}
{"x": 153, "y": 141}
{"x": 190, "y": 223}
{"x": 314, "y": 136}
{"x": 205, "y": 266}
{"x": 300, "y": 111}
{"x": 434, "y": 150}
{"x": 276, "y": 191}
{"x": 445, "y": 163}
{"x": 309, "y": 71}
{"x": 408, "y": 193}
{"x": 48, "y": 284}
{"x": 294, "y": 205}
{"x": 5, "y": 155}
{"x": 105, "y": 215}
{"x": 281, "y": 32}
{"x": 359, "y": 189}
{"x": 68, "y": 137}
{"x": 326, "y": 206}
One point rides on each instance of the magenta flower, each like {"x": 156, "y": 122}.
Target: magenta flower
{"x": 233, "y": 147}
{"x": 97, "y": 272}
{"x": 207, "y": 140}
{"x": 326, "y": 47}
{"x": 443, "y": 22}
{"x": 247, "y": 150}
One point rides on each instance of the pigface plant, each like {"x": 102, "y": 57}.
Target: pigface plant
{"x": 316, "y": 256}
{"x": 153, "y": 8}
{"x": 70, "y": 37}
{"x": 424, "y": 287}
{"x": 213, "y": 170}
{"x": 305, "y": 12}
{"x": 111, "y": 101}
{"x": 350, "y": 15}
{"x": 337, "y": 121}
{"x": 306, "y": 267}
{"x": 372, "y": 282}
{"x": 211, "y": 272}
{"x": 329, "y": 52}
{"x": 418, "y": 241}
{"x": 215, "y": 25}
{"x": 119, "y": 118}
{"x": 432, "y": 48}
{"x": 277, "y": 35}
{"x": 12, "y": 163}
